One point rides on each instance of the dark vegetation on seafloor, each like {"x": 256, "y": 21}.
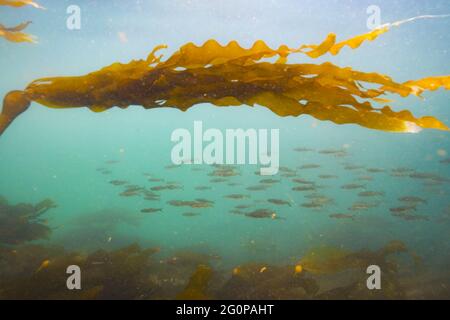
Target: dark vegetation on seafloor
{"x": 38, "y": 271}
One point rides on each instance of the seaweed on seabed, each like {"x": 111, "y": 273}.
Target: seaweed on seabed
{"x": 231, "y": 75}
{"x": 258, "y": 281}
{"x": 198, "y": 284}
{"x": 118, "y": 274}
{"x": 334, "y": 261}
{"x": 23, "y": 222}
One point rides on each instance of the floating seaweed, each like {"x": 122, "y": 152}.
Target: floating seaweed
{"x": 20, "y": 3}
{"x": 232, "y": 76}
{"x": 15, "y": 34}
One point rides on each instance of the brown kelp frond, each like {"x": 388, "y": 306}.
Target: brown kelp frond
{"x": 14, "y": 103}
{"x": 15, "y": 34}
{"x": 20, "y": 3}
{"x": 230, "y": 75}
{"x": 212, "y": 53}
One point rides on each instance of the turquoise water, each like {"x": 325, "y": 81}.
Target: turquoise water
{"x": 51, "y": 153}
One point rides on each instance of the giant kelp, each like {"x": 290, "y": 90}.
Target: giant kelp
{"x": 20, "y": 3}
{"x": 15, "y": 34}
{"x": 231, "y": 75}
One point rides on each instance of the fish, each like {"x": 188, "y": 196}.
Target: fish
{"x": 309, "y": 166}
{"x": 364, "y": 178}
{"x": 152, "y": 198}
{"x": 279, "y": 202}
{"x": 129, "y": 194}
{"x": 166, "y": 187}
{"x": 353, "y": 167}
{"x": 198, "y": 203}
{"x": 304, "y": 188}
{"x": 236, "y": 196}
{"x": 269, "y": 181}
{"x": 311, "y": 205}
{"x": 399, "y": 174}
{"x": 353, "y": 186}
{"x": 432, "y": 183}
{"x": 409, "y": 217}
{"x": 234, "y": 184}
{"x": 262, "y": 214}
{"x": 289, "y": 175}
{"x": 403, "y": 170}
{"x": 155, "y": 180}
{"x": 332, "y": 151}
{"x": 323, "y": 200}
{"x": 134, "y": 188}
{"x": 191, "y": 214}
{"x": 358, "y": 206}
{"x": 303, "y": 181}
{"x": 375, "y": 170}
{"x": 224, "y": 172}
{"x": 342, "y": 216}
{"x": 257, "y": 188}
{"x": 314, "y": 196}
{"x": 371, "y": 194}
{"x": 151, "y": 210}
{"x": 412, "y": 199}
{"x": 243, "y": 206}
{"x": 328, "y": 176}
{"x": 445, "y": 161}
{"x": 218, "y": 180}
{"x": 418, "y": 175}
{"x": 300, "y": 149}
{"x": 118, "y": 182}
{"x": 286, "y": 169}
{"x": 403, "y": 209}
{"x": 202, "y": 188}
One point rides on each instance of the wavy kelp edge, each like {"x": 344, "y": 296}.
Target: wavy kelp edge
{"x": 231, "y": 76}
